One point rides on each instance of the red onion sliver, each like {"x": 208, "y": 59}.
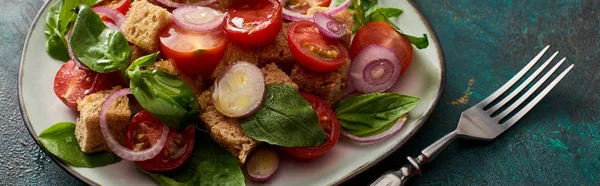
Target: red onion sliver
{"x": 112, "y": 14}
{"x": 375, "y": 69}
{"x": 112, "y": 26}
{"x": 328, "y": 26}
{"x": 369, "y": 139}
{"x": 262, "y": 164}
{"x": 229, "y": 92}
{"x": 170, "y": 5}
{"x": 295, "y": 16}
{"x": 117, "y": 148}
{"x": 198, "y": 18}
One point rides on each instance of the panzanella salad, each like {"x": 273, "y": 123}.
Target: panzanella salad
{"x": 195, "y": 91}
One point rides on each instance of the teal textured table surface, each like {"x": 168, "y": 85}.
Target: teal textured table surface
{"x": 485, "y": 42}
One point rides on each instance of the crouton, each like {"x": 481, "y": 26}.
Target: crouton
{"x": 329, "y": 85}
{"x": 278, "y": 52}
{"x": 169, "y": 67}
{"x": 87, "y": 130}
{"x": 234, "y": 53}
{"x": 344, "y": 17}
{"x": 227, "y": 131}
{"x": 143, "y": 24}
{"x": 136, "y": 52}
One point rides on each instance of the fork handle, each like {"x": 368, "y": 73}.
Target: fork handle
{"x": 413, "y": 167}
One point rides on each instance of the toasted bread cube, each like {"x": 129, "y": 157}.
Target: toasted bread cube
{"x": 328, "y": 85}
{"x": 87, "y": 130}
{"x": 227, "y": 131}
{"x": 278, "y": 52}
{"x": 136, "y": 52}
{"x": 235, "y": 53}
{"x": 169, "y": 67}
{"x": 143, "y": 24}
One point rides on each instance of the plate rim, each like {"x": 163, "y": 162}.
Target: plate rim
{"x": 433, "y": 38}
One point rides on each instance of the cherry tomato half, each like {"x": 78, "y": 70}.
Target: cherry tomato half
{"x": 302, "y": 6}
{"x": 143, "y": 132}
{"x": 72, "y": 83}
{"x": 254, "y": 22}
{"x": 386, "y": 36}
{"x": 193, "y": 52}
{"x": 328, "y": 121}
{"x": 119, "y": 5}
{"x": 313, "y": 50}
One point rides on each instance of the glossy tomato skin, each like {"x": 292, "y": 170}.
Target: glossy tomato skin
{"x": 254, "y": 22}
{"x": 120, "y": 5}
{"x": 387, "y": 37}
{"x": 328, "y": 121}
{"x": 72, "y": 83}
{"x": 194, "y": 53}
{"x": 146, "y": 129}
{"x": 303, "y": 35}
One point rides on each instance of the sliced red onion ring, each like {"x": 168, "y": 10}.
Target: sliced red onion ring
{"x": 117, "y": 148}
{"x": 239, "y": 90}
{"x": 112, "y": 14}
{"x": 369, "y": 139}
{"x": 328, "y": 26}
{"x": 375, "y": 69}
{"x": 170, "y": 5}
{"x": 112, "y": 26}
{"x": 198, "y": 18}
{"x": 262, "y": 164}
{"x": 295, "y": 16}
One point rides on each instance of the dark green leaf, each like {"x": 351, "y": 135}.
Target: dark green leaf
{"x": 365, "y": 114}
{"x": 419, "y": 42}
{"x": 60, "y": 140}
{"x": 55, "y": 47}
{"x": 383, "y": 14}
{"x": 208, "y": 164}
{"x": 165, "y": 97}
{"x": 366, "y": 5}
{"x": 143, "y": 61}
{"x": 358, "y": 16}
{"x": 100, "y": 48}
{"x": 285, "y": 119}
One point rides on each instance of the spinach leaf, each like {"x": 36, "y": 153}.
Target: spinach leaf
{"x": 367, "y": 113}
{"x": 165, "y": 96}
{"x": 285, "y": 119}
{"x": 60, "y": 140}
{"x": 208, "y": 164}
{"x": 98, "y": 47}
{"x": 419, "y": 42}
{"x": 58, "y": 23}
{"x": 383, "y": 14}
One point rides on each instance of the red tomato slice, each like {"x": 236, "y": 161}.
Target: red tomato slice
{"x": 328, "y": 121}
{"x": 143, "y": 132}
{"x": 119, "y": 5}
{"x": 313, "y": 50}
{"x": 193, "y": 52}
{"x": 72, "y": 83}
{"x": 386, "y": 36}
{"x": 302, "y": 6}
{"x": 254, "y": 22}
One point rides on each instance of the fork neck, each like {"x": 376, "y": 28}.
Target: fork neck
{"x": 437, "y": 147}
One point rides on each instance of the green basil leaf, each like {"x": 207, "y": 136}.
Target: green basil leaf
{"x": 364, "y": 114}
{"x": 100, "y": 48}
{"x": 358, "y": 16}
{"x": 419, "y": 42}
{"x": 367, "y": 5}
{"x": 143, "y": 61}
{"x": 285, "y": 119}
{"x": 383, "y": 14}
{"x": 56, "y": 45}
{"x": 166, "y": 97}
{"x": 60, "y": 140}
{"x": 209, "y": 164}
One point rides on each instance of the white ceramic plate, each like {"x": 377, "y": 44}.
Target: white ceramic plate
{"x": 425, "y": 79}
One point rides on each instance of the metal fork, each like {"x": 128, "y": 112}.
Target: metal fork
{"x": 477, "y": 122}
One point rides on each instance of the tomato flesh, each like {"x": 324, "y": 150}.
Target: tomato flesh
{"x": 302, "y": 6}
{"x": 143, "y": 132}
{"x": 193, "y": 52}
{"x": 329, "y": 123}
{"x": 312, "y": 50}
{"x": 72, "y": 83}
{"x": 386, "y": 36}
{"x": 119, "y": 5}
{"x": 254, "y": 22}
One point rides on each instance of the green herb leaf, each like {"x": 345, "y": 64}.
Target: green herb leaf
{"x": 285, "y": 119}
{"x": 366, "y": 5}
{"x": 165, "y": 96}
{"x": 383, "y": 14}
{"x": 100, "y": 48}
{"x": 60, "y": 140}
{"x": 208, "y": 164}
{"x": 365, "y": 114}
{"x": 56, "y": 48}
{"x": 419, "y": 42}
{"x": 358, "y": 16}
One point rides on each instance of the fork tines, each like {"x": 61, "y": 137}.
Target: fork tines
{"x": 511, "y": 108}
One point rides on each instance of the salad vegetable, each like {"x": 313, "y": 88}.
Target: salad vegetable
{"x": 375, "y": 69}
{"x": 262, "y": 164}
{"x": 328, "y": 26}
{"x": 240, "y": 90}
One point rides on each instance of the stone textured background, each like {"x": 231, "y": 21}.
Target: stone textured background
{"x": 485, "y": 42}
